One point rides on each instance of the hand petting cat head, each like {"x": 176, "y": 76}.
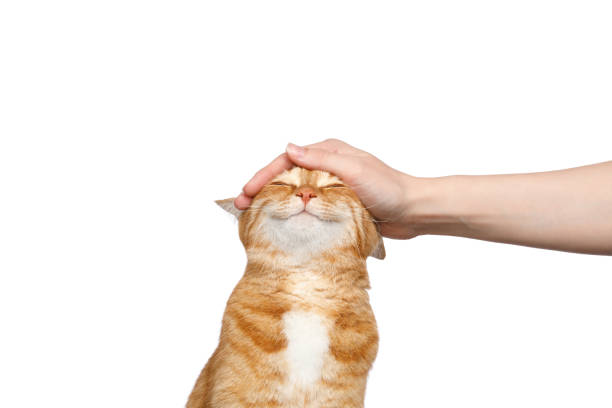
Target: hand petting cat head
{"x": 303, "y": 214}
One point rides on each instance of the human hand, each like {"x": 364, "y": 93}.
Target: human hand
{"x": 381, "y": 188}
{"x": 555, "y": 209}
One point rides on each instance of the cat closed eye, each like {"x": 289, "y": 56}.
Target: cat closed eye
{"x": 336, "y": 185}
{"x": 280, "y": 183}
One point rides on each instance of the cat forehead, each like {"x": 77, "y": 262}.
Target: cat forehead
{"x": 299, "y": 176}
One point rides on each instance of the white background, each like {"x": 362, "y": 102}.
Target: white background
{"x": 122, "y": 121}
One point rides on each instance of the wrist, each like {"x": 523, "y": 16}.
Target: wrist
{"x": 431, "y": 205}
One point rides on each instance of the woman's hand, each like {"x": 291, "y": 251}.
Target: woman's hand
{"x": 567, "y": 210}
{"x": 381, "y": 188}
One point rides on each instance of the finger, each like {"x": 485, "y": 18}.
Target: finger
{"x": 266, "y": 174}
{"x": 333, "y": 145}
{"x": 342, "y": 165}
{"x": 242, "y": 202}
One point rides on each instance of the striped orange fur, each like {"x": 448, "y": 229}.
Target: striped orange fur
{"x": 298, "y": 329}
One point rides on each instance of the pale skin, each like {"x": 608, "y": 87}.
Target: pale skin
{"x": 567, "y": 210}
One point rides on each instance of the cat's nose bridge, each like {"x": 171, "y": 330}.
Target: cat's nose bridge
{"x": 305, "y": 193}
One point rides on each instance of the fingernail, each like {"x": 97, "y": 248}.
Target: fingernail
{"x": 294, "y": 150}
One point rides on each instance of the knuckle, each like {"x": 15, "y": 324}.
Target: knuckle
{"x": 334, "y": 142}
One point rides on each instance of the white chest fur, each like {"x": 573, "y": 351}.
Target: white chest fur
{"x": 308, "y": 342}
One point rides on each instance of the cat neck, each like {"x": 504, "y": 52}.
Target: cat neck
{"x": 342, "y": 266}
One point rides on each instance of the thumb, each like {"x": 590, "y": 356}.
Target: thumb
{"x": 313, "y": 158}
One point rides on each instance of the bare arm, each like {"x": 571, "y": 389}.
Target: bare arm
{"x": 568, "y": 210}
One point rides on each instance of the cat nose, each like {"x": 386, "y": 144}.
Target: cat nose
{"x": 305, "y": 193}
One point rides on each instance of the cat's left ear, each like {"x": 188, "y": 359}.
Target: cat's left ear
{"x": 228, "y": 205}
{"x": 379, "y": 249}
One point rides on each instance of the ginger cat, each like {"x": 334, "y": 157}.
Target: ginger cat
{"x": 298, "y": 329}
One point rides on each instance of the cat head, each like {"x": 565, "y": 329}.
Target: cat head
{"x": 307, "y": 213}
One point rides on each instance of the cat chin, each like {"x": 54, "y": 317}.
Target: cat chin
{"x": 307, "y": 223}
{"x": 303, "y": 218}
{"x": 303, "y": 234}
{"x": 303, "y": 223}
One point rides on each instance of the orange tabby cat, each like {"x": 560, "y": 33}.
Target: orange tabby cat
{"x": 298, "y": 330}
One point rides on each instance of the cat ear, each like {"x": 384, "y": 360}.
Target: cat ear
{"x": 228, "y": 205}
{"x": 379, "y": 249}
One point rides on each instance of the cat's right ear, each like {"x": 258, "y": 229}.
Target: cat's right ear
{"x": 228, "y": 205}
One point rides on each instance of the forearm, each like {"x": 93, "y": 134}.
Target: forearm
{"x": 569, "y": 210}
